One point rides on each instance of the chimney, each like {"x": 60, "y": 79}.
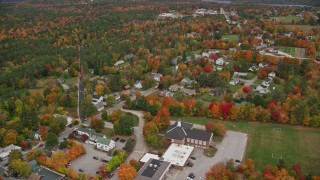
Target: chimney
{"x": 179, "y": 123}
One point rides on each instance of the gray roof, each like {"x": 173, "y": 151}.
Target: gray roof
{"x": 153, "y": 172}
{"x": 180, "y": 130}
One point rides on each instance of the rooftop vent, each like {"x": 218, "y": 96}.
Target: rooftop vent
{"x": 150, "y": 165}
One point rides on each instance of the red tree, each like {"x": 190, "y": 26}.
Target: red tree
{"x": 246, "y": 89}
{"x": 225, "y": 109}
{"x": 207, "y": 68}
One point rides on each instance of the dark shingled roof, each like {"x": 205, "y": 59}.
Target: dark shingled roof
{"x": 198, "y": 134}
{"x": 180, "y": 130}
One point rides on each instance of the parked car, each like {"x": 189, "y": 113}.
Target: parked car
{"x": 40, "y": 145}
{"x": 193, "y": 158}
{"x": 122, "y": 140}
{"x": 237, "y": 161}
{"x": 116, "y": 139}
{"x": 111, "y": 175}
{"x": 190, "y": 164}
{"x": 81, "y": 170}
{"x": 189, "y": 178}
{"x": 95, "y": 157}
{"x": 192, "y": 175}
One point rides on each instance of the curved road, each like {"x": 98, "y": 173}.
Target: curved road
{"x": 140, "y": 147}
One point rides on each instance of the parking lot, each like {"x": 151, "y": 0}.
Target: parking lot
{"x": 232, "y": 147}
{"x": 86, "y": 161}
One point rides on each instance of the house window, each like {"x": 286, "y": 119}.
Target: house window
{"x": 196, "y": 141}
{"x": 192, "y": 140}
{"x": 200, "y": 142}
{"x": 188, "y": 139}
{"x": 172, "y": 140}
{"x": 204, "y": 142}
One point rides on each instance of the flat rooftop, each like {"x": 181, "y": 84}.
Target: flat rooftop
{"x": 148, "y": 156}
{"x": 153, "y": 169}
{"x": 177, "y": 154}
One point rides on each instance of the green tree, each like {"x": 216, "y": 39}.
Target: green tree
{"x": 110, "y": 101}
{"x": 125, "y": 125}
{"x": 58, "y": 124}
{"x": 105, "y": 116}
{"x": 21, "y": 167}
{"x": 115, "y": 82}
{"x": 15, "y": 154}
{"x": 52, "y": 140}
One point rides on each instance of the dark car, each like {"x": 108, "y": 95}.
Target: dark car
{"x": 81, "y": 170}
{"x": 190, "y": 164}
{"x": 122, "y": 140}
{"x": 193, "y": 158}
{"x": 95, "y": 157}
{"x": 192, "y": 175}
{"x": 116, "y": 139}
{"x": 97, "y": 172}
{"x": 111, "y": 175}
{"x": 238, "y": 161}
{"x": 40, "y": 145}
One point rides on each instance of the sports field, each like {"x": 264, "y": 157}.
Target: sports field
{"x": 287, "y": 19}
{"x": 268, "y": 142}
{"x": 230, "y": 38}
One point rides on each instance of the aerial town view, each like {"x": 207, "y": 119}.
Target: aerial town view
{"x": 160, "y": 89}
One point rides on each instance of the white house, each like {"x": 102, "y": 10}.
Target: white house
{"x": 266, "y": 82}
{"x": 253, "y": 68}
{"x": 105, "y": 144}
{"x": 68, "y": 118}
{"x": 263, "y": 64}
{"x": 119, "y": 63}
{"x": 205, "y": 54}
{"x": 189, "y": 92}
{"x": 96, "y": 99}
{"x": 175, "y": 87}
{"x": 4, "y": 152}
{"x": 37, "y": 136}
{"x": 138, "y": 85}
{"x": 234, "y": 81}
{"x": 220, "y": 61}
{"x": 240, "y": 74}
{"x": 271, "y": 75}
{"x": 157, "y": 77}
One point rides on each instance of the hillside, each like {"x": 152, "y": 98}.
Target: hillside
{"x": 284, "y": 2}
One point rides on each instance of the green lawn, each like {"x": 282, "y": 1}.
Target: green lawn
{"x": 230, "y": 38}
{"x": 234, "y": 88}
{"x": 295, "y": 144}
{"x": 208, "y": 98}
{"x": 250, "y": 76}
{"x": 289, "y": 50}
{"x": 287, "y": 19}
{"x": 107, "y": 132}
{"x": 71, "y": 81}
{"x": 303, "y": 28}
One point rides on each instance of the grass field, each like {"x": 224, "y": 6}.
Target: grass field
{"x": 234, "y": 88}
{"x": 289, "y": 50}
{"x": 295, "y": 144}
{"x": 287, "y": 19}
{"x": 304, "y": 28}
{"x": 295, "y": 52}
{"x": 230, "y": 38}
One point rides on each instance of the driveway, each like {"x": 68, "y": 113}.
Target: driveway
{"x": 232, "y": 147}
{"x": 247, "y": 83}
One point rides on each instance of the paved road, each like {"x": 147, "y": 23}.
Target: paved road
{"x": 247, "y": 83}
{"x": 140, "y": 147}
{"x": 120, "y": 104}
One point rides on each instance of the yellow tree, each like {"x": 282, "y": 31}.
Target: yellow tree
{"x": 126, "y": 172}
{"x": 99, "y": 89}
{"x": 11, "y": 137}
